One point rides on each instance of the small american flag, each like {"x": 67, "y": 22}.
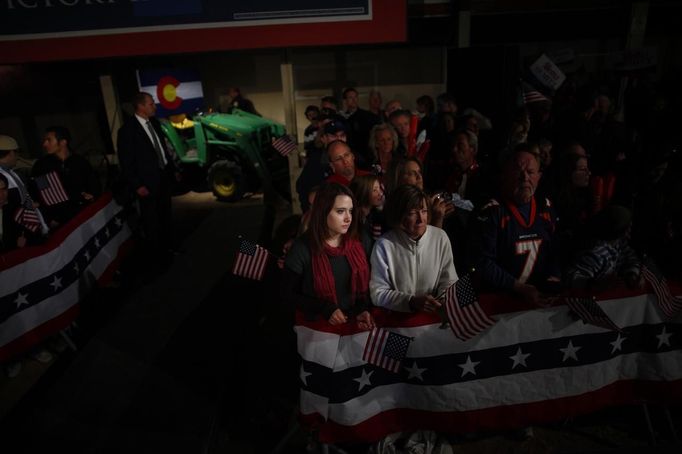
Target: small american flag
{"x": 386, "y": 349}
{"x": 530, "y": 94}
{"x": 284, "y": 145}
{"x": 669, "y": 304}
{"x": 467, "y": 318}
{"x": 251, "y": 260}
{"x": 51, "y": 189}
{"x": 28, "y": 218}
{"x": 590, "y": 312}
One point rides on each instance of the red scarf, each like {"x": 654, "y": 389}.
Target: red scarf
{"x": 323, "y": 278}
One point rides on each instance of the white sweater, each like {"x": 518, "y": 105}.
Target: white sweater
{"x": 402, "y": 268}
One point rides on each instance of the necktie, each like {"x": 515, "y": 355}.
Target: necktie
{"x": 157, "y": 145}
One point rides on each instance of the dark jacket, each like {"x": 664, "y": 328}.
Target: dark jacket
{"x": 137, "y": 156}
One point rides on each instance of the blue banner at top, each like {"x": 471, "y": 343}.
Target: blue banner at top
{"x": 31, "y": 18}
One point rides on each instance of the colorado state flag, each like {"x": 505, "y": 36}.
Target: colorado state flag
{"x": 175, "y": 91}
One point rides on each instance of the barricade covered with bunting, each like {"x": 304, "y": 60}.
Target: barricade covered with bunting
{"x": 41, "y": 286}
{"x": 530, "y": 367}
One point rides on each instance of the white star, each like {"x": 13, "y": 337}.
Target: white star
{"x": 663, "y": 338}
{"x": 106, "y": 232}
{"x": 519, "y": 358}
{"x": 363, "y": 380}
{"x": 570, "y": 351}
{"x": 117, "y": 221}
{"x": 76, "y": 268}
{"x": 97, "y": 242}
{"x": 87, "y": 256}
{"x": 304, "y": 376}
{"x": 415, "y": 372}
{"x": 469, "y": 366}
{"x": 617, "y": 344}
{"x": 56, "y": 283}
{"x": 21, "y": 299}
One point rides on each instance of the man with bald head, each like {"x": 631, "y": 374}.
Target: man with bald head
{"x": 342, "y": 163}
{"x": 516, "y": 247}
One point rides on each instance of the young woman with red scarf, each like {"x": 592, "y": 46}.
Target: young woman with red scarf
{"x": 326, "y": 272}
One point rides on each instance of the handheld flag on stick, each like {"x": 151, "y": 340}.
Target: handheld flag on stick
{"x": 284, "y": 145}
{"x": 28, "y": 218}
{"x": 386, "y": 349}
{"x": 466, "y": 316}
{"x": 251, "y": 260}
{"x": 590, "y": 312}
{"x": 51, "y": 189}
{"x": 531, "y": 94}
{"x": 669, "y": 304}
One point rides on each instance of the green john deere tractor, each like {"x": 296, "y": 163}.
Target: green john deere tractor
{"x": 236, "y": 151}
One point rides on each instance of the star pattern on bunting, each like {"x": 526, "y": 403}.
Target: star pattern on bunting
{"x": 22, "y": 299}
{"x": 304, "y": 376}
{"x": 64, "y": 270}
{"x": 519, "y": 358}
{"x": 363, "y": 380}
{"x": 617, "y": 344}
{"x": 469, "y": 366}
{"x": 576, "y": 350}
{"x": 56, "y": 283}
{"x": 414, "y": 371}
{"x": 663, "y": 338}
{"x": 570, "y": 351}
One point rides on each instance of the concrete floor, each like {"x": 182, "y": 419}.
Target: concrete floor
{"x": 186, "y": 364}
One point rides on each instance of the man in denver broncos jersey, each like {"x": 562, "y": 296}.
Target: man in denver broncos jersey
{"x": 516, "y": 247}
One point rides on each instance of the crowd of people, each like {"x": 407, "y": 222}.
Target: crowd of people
{"x": 60, "y": 183}
{"x": 575, "y": 196}
{"x": 37, "y": 203}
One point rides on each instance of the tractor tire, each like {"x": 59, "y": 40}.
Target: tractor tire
{"x": 225, "y": 180}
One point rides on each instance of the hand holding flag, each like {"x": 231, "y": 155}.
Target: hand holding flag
{"x": 27, "y": 218}
{"x": 466, "y": 316}
{"x": 51, "y": 189}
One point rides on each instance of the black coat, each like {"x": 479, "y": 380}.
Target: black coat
{"x": 137, "y": 156}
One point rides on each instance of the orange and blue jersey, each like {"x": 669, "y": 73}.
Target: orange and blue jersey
{"x": 517, "y": 243}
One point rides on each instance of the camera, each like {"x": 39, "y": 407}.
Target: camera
{"x": 445, "y": 196}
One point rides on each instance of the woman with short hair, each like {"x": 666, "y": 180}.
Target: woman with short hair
{"x": 412, "y": 265}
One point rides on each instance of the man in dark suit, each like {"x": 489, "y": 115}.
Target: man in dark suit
{"x": 149, "y": 171}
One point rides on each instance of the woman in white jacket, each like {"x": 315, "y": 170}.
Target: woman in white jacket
{"x": 412, "y": 264}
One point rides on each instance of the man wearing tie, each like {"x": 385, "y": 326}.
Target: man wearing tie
{"x": 149, "y": 171}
